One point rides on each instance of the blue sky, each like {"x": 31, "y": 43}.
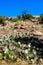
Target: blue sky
{"x": 15, "y": 7}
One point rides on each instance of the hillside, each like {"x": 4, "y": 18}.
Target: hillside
{"x": 21, "y": 26}
{"x": 21, "y": 42}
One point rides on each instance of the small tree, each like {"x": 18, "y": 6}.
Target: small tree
{"x": 2, "y": 20}
{"x": 41, "y": 19}
{"x": 26, "y": 16}
{"x": 19, "y": 17}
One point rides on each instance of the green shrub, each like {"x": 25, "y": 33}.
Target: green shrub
{"x": 16, "y": 23}
{"x": 18, "y": 46}
{"x": 26, "y": 17}
{"x": 1, "y": 56}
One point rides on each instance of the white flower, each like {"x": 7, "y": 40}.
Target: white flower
{"x": 20, "y": 34}
{"x": 29, "y": 45}
{"x": 26, "y": 51}
{"x": 32, "y": 60}
{"x": 37, "y": 48}
{"x": 27, "y": 57}
{"x": 23, "y": 51}
{"x": 12, "y": 56}
{"x": 24, "y": 45}
{"x": 34, "y": 51}
{"x": 18, "y": 42}
{"x": 14, "y": 47}
{"x": 6, "y": 50}
{"x": 40, "y": 59}
{"x": 34, "y": 47}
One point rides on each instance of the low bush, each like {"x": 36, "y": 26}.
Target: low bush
{"x": 19, "y": 46}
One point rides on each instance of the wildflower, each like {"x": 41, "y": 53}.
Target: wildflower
{"x": 26, "y": 51}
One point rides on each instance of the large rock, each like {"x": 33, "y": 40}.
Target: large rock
{"x": 38, "y": 33}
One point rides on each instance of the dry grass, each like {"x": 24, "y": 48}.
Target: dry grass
{"x": 22, "y": 62}
{"x": 14, "y": 63}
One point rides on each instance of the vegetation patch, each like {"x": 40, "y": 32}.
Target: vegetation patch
{"x": 17, "y": 47}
